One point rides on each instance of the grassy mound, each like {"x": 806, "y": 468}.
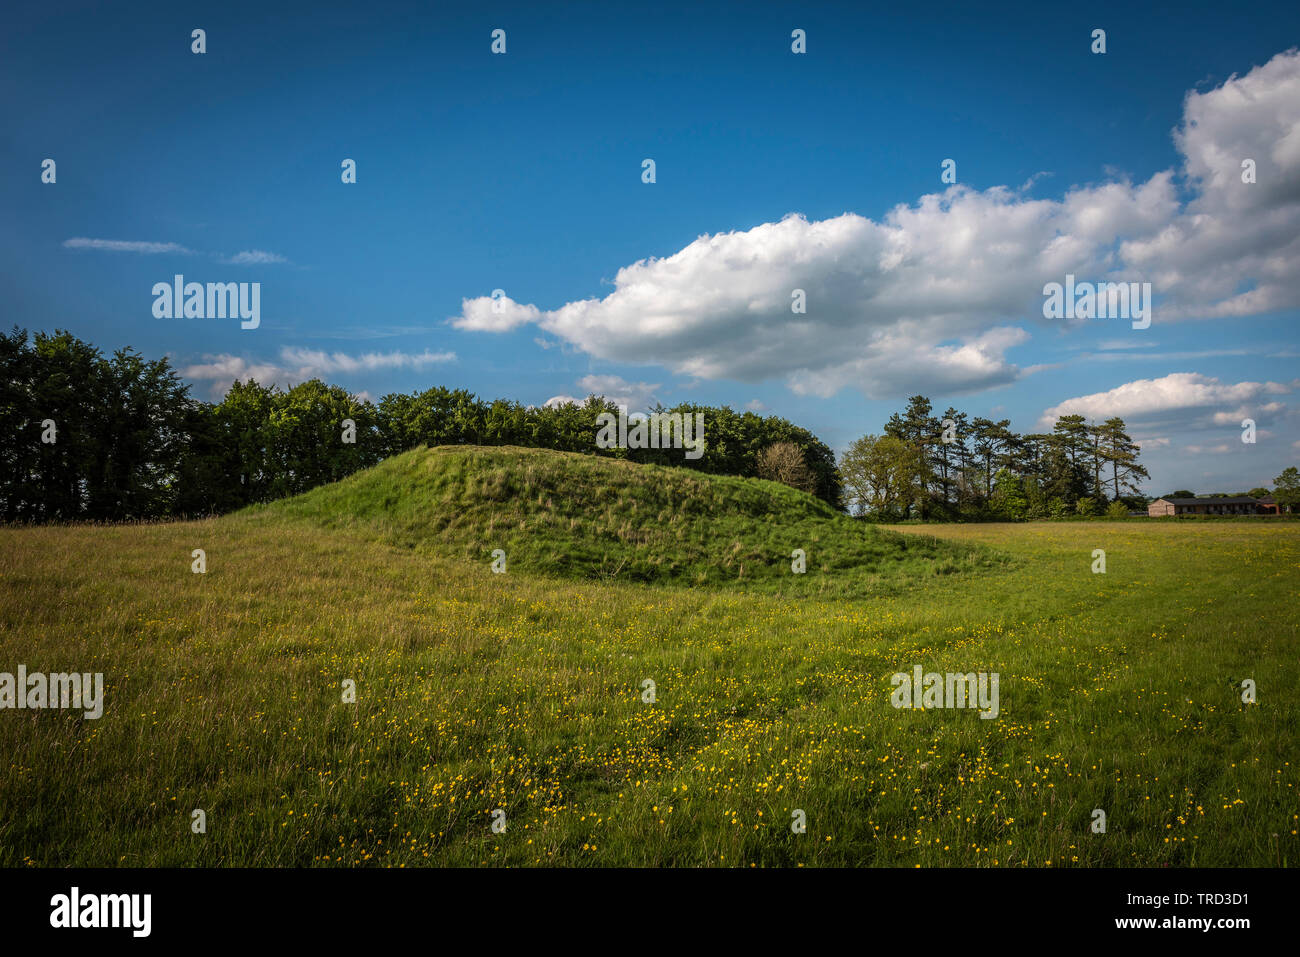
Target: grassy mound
{"x": 580, "y": 516}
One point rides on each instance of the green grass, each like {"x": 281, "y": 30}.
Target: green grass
{"x": 570, "y": 516}
{"x": 522, "y": 691}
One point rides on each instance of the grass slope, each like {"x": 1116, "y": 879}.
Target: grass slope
{"x": 579, "y": 516}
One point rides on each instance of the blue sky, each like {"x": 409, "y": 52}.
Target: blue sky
{"x": 523, "y": 172}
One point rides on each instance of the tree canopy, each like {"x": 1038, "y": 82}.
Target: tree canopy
{"x": 94, "y": 437}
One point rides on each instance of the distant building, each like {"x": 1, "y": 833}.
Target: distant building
{"x": 1225, "y": 505}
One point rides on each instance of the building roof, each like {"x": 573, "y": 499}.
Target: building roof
{"x": 1222, "y": 500}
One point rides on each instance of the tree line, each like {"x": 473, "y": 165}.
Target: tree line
{"x": 952, "y": 466}
{"x": 92, "y": 437}
{"x": 84, "y": 436}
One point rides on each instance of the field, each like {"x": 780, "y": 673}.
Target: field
{"x": 523, "y": 692}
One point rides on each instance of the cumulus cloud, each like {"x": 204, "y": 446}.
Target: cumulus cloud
{"x": 299, "y": 365}
{"x": 1233, "y": 233}
{"x": 1188, "y": 394}
{"x": 486, "y": 314}
{"x": 927, "y": 297}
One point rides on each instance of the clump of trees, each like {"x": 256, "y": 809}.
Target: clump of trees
{"x": 951, "y": 466}
{"x": 84, "y": 436}
{"x": 1286, "y": 488}
{"x": 88, "y": 436}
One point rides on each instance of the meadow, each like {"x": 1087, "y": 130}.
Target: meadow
{"x": 523, "y": 692}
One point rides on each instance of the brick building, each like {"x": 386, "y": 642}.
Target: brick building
{"x": 1225, "y": 505}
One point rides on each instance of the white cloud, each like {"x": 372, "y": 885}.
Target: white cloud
{"x": 486, "y": 314}
{"x": 249, "y": 257}
{"x": 631, "y": 396}
{"x": 299, "y": 365}
{"x": 323, "y": 363}
{"x": 1118, "y": 356}
{"x": 923, "y": 300}
{"x": 721, "y": 308}
{"x": 1234, "y": 234}
{"x": 255, "y": 257}
{"x": 126, "y": 246}
{"x": 634, "y": 395}
{"x": 1235, "y": 416}
{"x": 1177, "y": 392}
